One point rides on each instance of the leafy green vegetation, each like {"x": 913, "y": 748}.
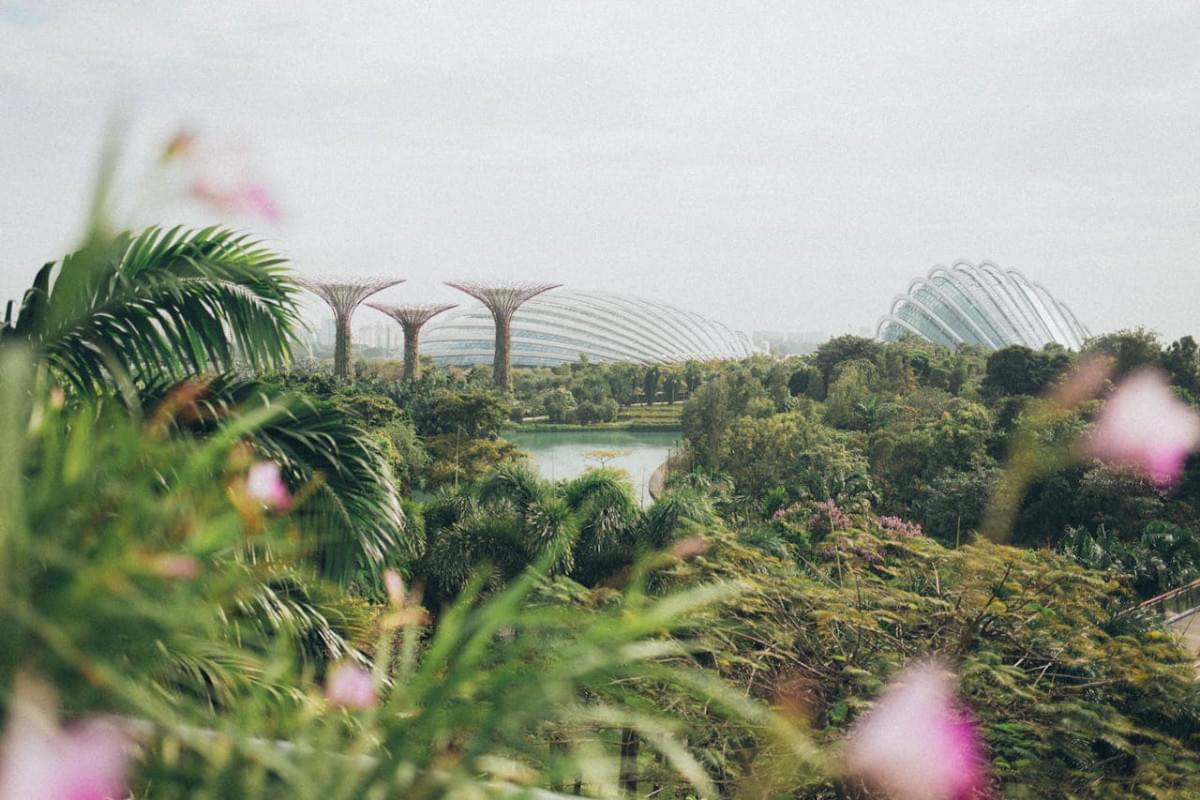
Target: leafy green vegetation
{"x": 282, "y": 584}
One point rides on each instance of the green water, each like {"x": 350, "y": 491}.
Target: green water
{"x": 565, "y": 454}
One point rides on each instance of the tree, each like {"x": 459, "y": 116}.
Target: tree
{"x": 1182, "y": 360}
{"x": 560, "y": 405}
{"x": 706, "y": 418}
{"x": 623, "y": 382}
{"x": 459, "y": 460}
{"x": 351, "y": 516}
{"x": 159, "y": 306}
{"x": 152, "y": 317}
{"x": 777, "y": 385}
{"x": 474, "y": 412}
{"x": 844, "y": 348}
{"x": 587, "y": 528}
{"x": 1129, "y": 348}
{"x": 672, "y": 377}
{"x": 1103, "y": 704}
{"x": 650, "y": 383}
{"x": 801, "y": 379}
{"x": 693, "y": 375}
{"x": 1017, "y": 370}
{"x": 853, "y": 388}
{"x": 588, "y": 412}
{"x": 951, "y": 506}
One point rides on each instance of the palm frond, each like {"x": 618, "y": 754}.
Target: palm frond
{"x": 672, "y": 513}
{"x": 352, "y": 509}
{"x": 159, "y": 306}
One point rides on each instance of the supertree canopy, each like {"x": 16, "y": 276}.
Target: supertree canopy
{"x": 344, "y": 295}
{"x": 412, "y": 318}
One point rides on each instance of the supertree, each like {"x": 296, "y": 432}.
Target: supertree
{"x": 412, "y": 318}
{"x": 344, "y": 294}
{"x": 503, "y": 300}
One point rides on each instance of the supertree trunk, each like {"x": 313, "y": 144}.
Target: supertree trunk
{"x": 411, "y": 319}
{"x": 502, "y": 360}
{"x": 343, "y": 357}
{"x": 412, "y": 352}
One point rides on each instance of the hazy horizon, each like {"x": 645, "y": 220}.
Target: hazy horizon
{"x": 774, "y": 167}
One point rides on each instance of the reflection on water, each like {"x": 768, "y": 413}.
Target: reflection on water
{"x": 566, "y": 454}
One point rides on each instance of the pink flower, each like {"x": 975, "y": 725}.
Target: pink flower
{"x": 900, "y": 527}
{"x": 241, "y": 198}
{"x": 918, "y": 743}
{"x": 1144, "y": 425}
{"x": 177, "y": 567}
{"x": 265, "y": 484}
{"x": 394, "y": 585}
{"x": 40, "y": 761}
{"x": 255, "y": 198}
{"x": 350, "y": 686}
{"x": 828, "y": 517}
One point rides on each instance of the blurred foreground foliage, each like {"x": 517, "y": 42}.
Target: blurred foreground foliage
{"x": 140, "y": 577}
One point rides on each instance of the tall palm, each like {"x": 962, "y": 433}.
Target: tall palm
{"x": 161, "y": 305}
{"x": 142, "y": 314}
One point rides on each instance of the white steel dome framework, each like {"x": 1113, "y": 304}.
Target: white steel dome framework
{"x": 982, "y": 305}
{"x": 557, "y": 327}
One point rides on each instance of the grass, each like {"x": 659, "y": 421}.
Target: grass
{"x": 656, "y": 418}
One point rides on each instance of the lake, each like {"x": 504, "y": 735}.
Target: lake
{"x": 566, "y": 454}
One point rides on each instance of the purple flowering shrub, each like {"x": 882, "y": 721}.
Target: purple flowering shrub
{"x": 900, "y": 528}
{"x": 827, "y": 517}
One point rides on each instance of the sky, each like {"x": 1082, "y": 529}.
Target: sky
{"x": 776, "y": 165}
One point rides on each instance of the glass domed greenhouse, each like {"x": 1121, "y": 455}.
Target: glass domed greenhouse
{"x": 983, "y": 305}
{"x": 557, "y": 327}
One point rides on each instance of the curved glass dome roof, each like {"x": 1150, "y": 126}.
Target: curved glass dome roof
{"x": 984, "y": 305}
{"x": 556, "y": 327}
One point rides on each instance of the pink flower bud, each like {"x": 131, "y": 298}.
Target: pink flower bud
{"x": 917, "y": 743}
{"x": 350, "y": 686}
{"x": 265, "y": 484}
{"x": 1144, "y": 425}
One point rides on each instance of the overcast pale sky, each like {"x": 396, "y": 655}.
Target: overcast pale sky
{"x": 777, "y": 165}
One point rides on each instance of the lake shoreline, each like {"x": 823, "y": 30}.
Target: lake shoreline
{"x": 566, "y": 427}
{"x": 565, "y": 454}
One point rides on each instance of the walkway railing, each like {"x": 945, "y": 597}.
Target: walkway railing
{"x": 1176, "y": 604}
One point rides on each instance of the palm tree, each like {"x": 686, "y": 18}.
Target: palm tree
{"x": 141, "y": 316}
{"x": 351, "y": 511}
{"x": 588, "y": 528}
{"x": 163, "y": 305}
